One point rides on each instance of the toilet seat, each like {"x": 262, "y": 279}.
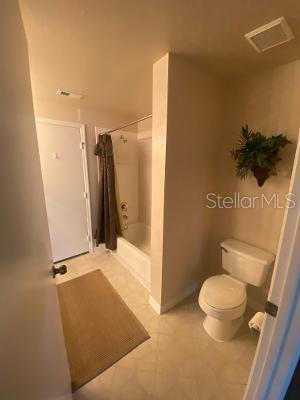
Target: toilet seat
{"x": 223, "y": 292}
{"x": 223, "y": 297}
{"x": 223, "y": 315}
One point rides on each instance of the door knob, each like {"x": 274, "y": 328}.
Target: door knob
{"x": 59, "y": 270}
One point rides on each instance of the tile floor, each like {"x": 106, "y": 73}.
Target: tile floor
{"x": 179, "y": 361}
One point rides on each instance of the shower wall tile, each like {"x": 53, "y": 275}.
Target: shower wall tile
{"x": 145, "y": 170}
{"x": 127, "y": 168}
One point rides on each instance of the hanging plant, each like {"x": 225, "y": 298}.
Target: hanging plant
{"x": 258, "y": 154}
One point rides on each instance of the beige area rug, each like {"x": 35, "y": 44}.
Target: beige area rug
{"x": 98, "y": 326}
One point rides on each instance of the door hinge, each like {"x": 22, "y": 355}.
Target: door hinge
{"x": 85, "y": 195}
{"x": 88, "y": 238}
{"x": 271, "y": 309}
{"x": 82, "y": 145}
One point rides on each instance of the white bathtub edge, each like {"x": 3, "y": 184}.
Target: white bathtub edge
{"x": 130, "y": 268}
{"x": 134, "y": 248}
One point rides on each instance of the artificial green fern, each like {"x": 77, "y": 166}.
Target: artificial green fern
{"x": 257, "y": 151}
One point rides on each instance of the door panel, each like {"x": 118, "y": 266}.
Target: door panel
{"x": 33, "y": 362}
{"x": 278, "y": 346}
{"x": 63, "y": 178}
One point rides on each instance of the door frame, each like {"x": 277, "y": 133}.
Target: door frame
{"x": 278, "y": 348}
{"x": 82, "y": 146}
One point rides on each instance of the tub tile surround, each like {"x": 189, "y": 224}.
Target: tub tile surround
{"x": 139, "y": 234}
{"x": 179, "y": 361}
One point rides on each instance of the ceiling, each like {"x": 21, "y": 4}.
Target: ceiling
{"x": 105, "y": 49}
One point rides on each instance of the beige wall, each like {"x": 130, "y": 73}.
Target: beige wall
{"x": 196, "y": 122}
{"x": 68, "y": 110}
{"x": 144, "y": 141}
{"x": 268, "y": 102}
{"x": 189, "y": 118}
{"x": 159, "y": 146}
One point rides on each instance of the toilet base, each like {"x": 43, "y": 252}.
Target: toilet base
{"x": 221, "y": 331}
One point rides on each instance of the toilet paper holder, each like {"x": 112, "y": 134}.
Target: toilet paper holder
{"x": 271, "y": 309}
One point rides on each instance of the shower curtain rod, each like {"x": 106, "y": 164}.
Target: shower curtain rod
{"x": 125, "y": 126}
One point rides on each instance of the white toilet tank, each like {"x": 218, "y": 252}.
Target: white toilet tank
{"x": 247, "y": 263}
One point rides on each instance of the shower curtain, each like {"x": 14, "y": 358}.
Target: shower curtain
{"x": 108, "y": 223}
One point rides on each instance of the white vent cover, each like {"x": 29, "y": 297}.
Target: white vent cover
{"x": 66, "y": 93}
{"x": 270, "y": 35}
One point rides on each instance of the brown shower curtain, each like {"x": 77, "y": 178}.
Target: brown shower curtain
{"x": 108, "y": 224}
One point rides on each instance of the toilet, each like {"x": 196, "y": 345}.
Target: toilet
{"x": 223, "y": 298}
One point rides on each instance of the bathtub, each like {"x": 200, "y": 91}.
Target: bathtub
{"x": 133, "y": 251}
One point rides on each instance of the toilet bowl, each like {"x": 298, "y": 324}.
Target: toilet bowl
{"x": 223, "y": 297}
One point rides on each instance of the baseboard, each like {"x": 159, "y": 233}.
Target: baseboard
{"x": 162, "y": 308}
{"x": 155, "y": 305}
{"x": 186, "y": 293}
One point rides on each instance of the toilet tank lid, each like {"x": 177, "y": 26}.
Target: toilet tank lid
{"x": 248, "y": 251}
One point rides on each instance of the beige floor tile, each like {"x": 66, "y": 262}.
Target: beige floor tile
{"x": 100, "y": 388}
{"x": 247, "y": 356}
{"x": 188, "y": 368}
{"x": 233, "y": 391}
{"x": 146, "y": 358}
{"x": 205, "y": 372}
{"x": 233, "y": 372}
{"x": 179, "y": 361}
{"x": 207, "y": 389}
{"x": 132, "y": 384}
{"x": 213, "y": 358}
{"x": 174, "y": 388}
{"x": 157, "y": 325}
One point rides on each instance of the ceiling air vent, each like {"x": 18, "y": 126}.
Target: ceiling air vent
{"x": 270, "y": 35}
{"x": 66, "y": 93}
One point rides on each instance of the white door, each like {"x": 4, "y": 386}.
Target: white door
{"x": 33, "y": 362}
{"x": 61, "y": 147}
{"x": 279, "y": 345}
